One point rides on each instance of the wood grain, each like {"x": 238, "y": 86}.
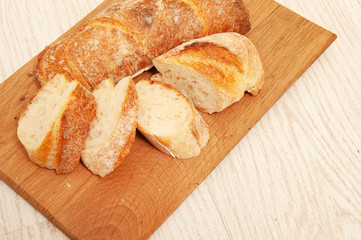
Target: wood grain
{"x": 231, "y": 193}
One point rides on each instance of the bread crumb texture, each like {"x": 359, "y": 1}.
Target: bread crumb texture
{"x": 214, "y": 71}
{"x": 56, "y": 122}
{"x": 113, "y": 130}
{"x": 169, "y": 121}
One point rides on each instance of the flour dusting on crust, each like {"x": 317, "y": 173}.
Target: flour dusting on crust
{"x": 124, "y": 38}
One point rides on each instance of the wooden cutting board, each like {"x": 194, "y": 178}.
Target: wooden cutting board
{"x": 134, "y": 200}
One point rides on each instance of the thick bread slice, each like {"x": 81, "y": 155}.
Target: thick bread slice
{"x": 213, "y": 71}
{"x": 113, "y": 130}
{"x": 169, "y": 121}
{"x": 55, "y": 124}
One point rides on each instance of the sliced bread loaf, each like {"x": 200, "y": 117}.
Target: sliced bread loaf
{"x": 213, "y": 71}
{"x": 55, "y": 124}
{"x": 113, "y": 130}
{"x": 169, "y": 121}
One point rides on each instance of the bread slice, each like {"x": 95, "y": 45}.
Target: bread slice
{"x": 55, "y": 124}
{"x": 113, "y": 130}
{"x": 169, "y": 121}
{"x": 213, "y": 71}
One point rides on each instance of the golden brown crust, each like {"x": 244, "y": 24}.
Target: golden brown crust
{"x": 56, "y": 59}
{"x": 196, "y": 7}
{"x": 213, "y": 51}
{"x": 124, "y": 38}
{"x": 40, "y": 67}
{"x": 130, "y": 115}
{"x": 50, "y": 62}
{"x": 209, "y": 59}
{"x": 48, "y": 147}
{"x": 234, "y": 11}
{"x": 106, "y": 52}
{"x": 75, "y": 125}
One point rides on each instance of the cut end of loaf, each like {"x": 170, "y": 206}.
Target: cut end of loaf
{"x": 213, "y": 71}
{"x": 196, "y": 87}
{"x": 169, "y": 121}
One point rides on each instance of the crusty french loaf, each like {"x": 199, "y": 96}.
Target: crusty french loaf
{"x": 169, "y": 121}
{"x": 123, "y": 39}
{"x": 213, "y": 71}
{"x": 55, "y": 124}
{"x": 113, "y": 130}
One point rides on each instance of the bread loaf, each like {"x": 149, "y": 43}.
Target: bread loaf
{"x": 213, "y": 71}
{"x": 123, "y": 39}
{"x": 169, "y": 121}
{"x": 55, "y": 124}
{"x": 113, "y": 130}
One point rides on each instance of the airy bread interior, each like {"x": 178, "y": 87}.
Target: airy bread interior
{"x": 195, "y": 86}
{"x": 43, "y": 111}
{"x": 110, "y": 100}
{"x": 169, "y": 121}
{"x": 162, "y": 112}
{"x": 214, "y": 71}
